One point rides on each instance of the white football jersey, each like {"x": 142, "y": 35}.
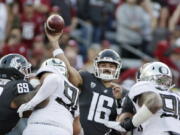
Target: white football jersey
{"x": 167, "y": 118}
{"x": 55, "y": 114}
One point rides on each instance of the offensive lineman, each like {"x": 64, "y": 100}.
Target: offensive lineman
{"x": 14, "y": 89}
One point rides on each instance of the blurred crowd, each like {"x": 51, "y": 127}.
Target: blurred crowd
{"x": 148, "y": 27}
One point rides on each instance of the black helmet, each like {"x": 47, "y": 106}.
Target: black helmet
{"x": 110, "y": 56}
{"x": 17, "y": 62}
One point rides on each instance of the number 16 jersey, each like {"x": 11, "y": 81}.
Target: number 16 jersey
{"x": 97, "y": 105}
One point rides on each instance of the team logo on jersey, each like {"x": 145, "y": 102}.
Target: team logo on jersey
{"x": 105, "y": 91}
{"x": 93, "y": 85}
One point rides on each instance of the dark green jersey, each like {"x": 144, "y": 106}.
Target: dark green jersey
{"x": 97, "y": 105}
{"x": 8, "y": 91}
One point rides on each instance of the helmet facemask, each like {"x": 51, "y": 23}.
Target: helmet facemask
{"x": 157, "y": 72}
{"x": 161, "y": 80}
{"x": 26, "y": 70}
{"x": 107, "y": 74}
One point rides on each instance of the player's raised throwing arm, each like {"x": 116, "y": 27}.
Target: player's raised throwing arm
{"x": 74, "y": 76}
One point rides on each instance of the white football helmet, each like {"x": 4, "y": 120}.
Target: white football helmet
{"x": 157, "y": 72}
{"x": 53, "y": 65}
{"x": 107, "y": 55}
{"x": 140, "y": 70}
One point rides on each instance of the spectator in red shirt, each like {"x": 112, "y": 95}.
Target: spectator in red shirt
{"x": 168, "y": 9}
{"x": 14, "y": 44}
{"x": 31, "y": 23}
{"x": 171, "y": 5}
{"x": 39, "y": 52}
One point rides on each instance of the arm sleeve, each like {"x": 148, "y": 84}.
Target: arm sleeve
{"x": 48, "y": 87}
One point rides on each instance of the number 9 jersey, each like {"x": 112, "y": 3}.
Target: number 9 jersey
{"x": 166, "y": 119}
{"x": 8, "y": 91}
{"x": 58, "y": 114}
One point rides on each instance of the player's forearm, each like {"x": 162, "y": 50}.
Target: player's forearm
{"x": 150, "y": 103}
{"x": 76, "y": 126}
{"x": 21, "y": 99}
{"x": 40, "y": 97}
{"x": 74, "y": 75}
{"x": 47, "y": 89}
{"x": 66, "y": 61}
{"x": 140, "y": 117}
{"x": 152, "y": 100}
{"x": 58, "y": 53}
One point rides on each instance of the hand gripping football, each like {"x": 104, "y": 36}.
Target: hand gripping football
{"x": 54, "y": 24}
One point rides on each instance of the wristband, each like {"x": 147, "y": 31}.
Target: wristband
{"x": 141, "y": 116}
{"x": 57, "y": 52}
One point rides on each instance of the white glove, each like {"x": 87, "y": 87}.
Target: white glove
{"x": 115, "y": 125}
{"x": 23, "y": 108}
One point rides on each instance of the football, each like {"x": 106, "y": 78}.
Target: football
{"x": 54, "y": 24}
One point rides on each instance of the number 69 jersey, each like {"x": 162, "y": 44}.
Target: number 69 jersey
{"x": 167, "y": 118}
{"x": 8, "y": 91}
